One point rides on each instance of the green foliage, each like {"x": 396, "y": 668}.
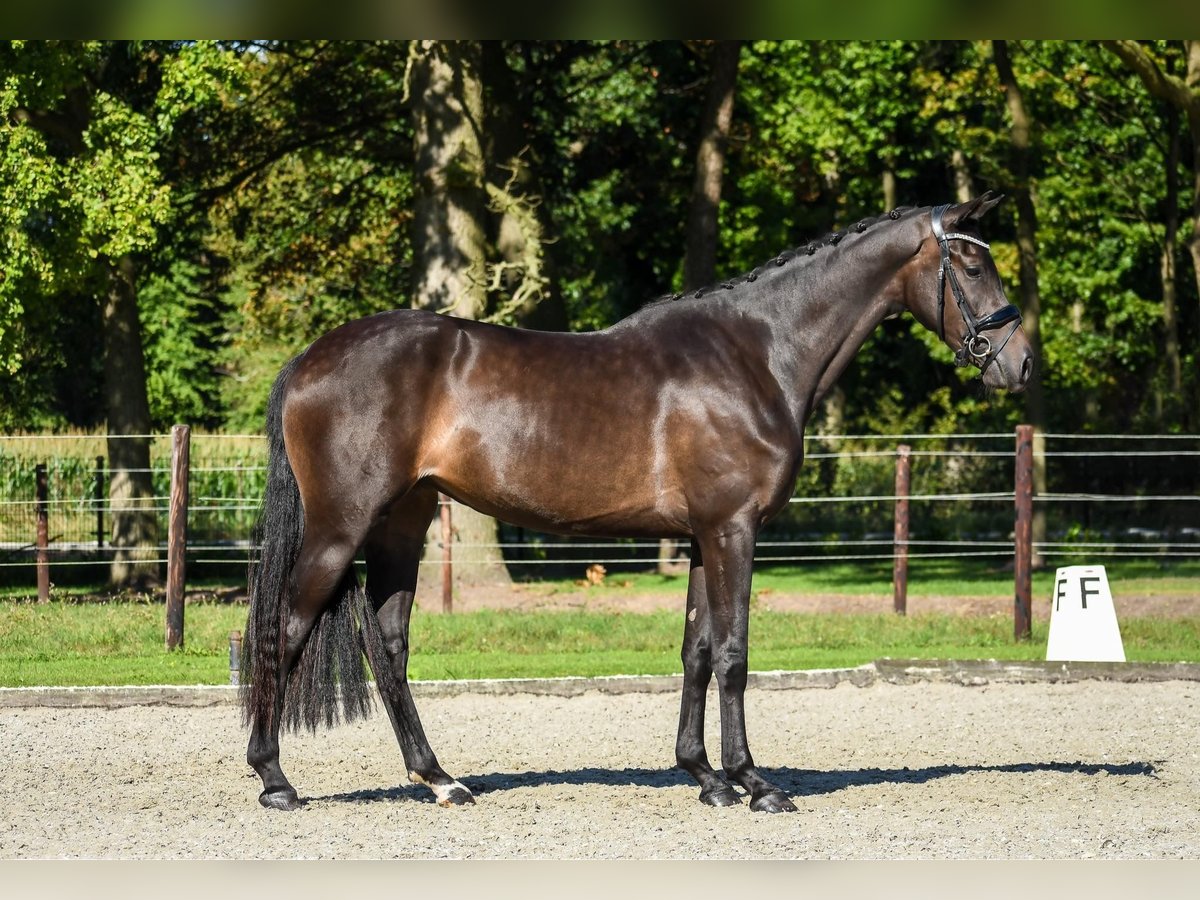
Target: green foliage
{"x": 264, "y": 190}
{"x": 307, "y": 197}
{"x": 180, "y": 327}
{"x": 79, "y": 177}
{"x": 1101, "y": 184}
{"x": 613, "y": 125}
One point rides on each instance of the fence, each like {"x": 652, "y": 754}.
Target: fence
{"x": 1105, "y": 496}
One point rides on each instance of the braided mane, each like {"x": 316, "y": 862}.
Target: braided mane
{"x": 829, "y": 239}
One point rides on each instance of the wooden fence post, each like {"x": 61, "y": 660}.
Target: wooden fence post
{"x": 177, "y": 533}
{"x": 900, "y": 536}
{"x": 43, "y": 533}
{"x": 1023, "y": 536}
{"x": 447, "y": 553}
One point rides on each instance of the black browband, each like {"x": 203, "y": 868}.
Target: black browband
{"x": 977, "y": 348}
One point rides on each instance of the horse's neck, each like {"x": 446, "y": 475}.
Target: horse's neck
{"x": 844, "y": 348}
{"x": 821, "y": 317}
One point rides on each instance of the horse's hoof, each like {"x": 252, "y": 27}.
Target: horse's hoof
{"x": 444, "y": 794}
{"x": 284, "y": 799}
{"x": 772, "y": 802}
{"x": 720, "y": 796}
{"x": 456, "y": 796}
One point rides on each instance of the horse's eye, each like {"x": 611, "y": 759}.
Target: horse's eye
{"x": 974, "y": 271}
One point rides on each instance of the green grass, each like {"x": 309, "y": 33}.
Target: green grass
{"x": 927, "y": 578}
{"x": 121, "y": 642}
{"x": 931, "y": 578}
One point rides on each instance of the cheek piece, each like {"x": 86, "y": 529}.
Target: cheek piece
{"x": 977, "y": 347}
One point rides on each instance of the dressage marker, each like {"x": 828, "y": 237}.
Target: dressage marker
{"x": 1083, "y": 620}
{"x": 694, "y": 430}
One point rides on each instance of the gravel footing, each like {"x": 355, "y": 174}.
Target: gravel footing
{"x": 897, "y": 760}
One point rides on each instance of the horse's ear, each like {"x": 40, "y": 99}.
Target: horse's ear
{"x": 973, "y": 210}
{"x": 986, "y": 202}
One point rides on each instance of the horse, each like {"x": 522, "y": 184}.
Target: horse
{"x": 685, "y": 420}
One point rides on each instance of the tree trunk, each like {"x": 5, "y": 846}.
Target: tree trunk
{"x": 520, "y": 221}
{"x": 964, "y": 188}
{"x": 889, "y": 188}
{"x": 700, "y": 252}
{"x": 449, "y": 202}
{"x": 131, "y": 493}
{"x": 1174, "y": 368}
{"x": 1193, "y": 113}
{"x": 700, "y": 256}
{"x": 1021, "y": 148}
{"x": 449, "y": 242}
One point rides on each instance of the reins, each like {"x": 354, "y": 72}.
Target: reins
{"x": 977, "y": 348}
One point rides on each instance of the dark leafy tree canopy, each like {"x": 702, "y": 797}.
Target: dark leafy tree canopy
{"x": 265, "y": 192}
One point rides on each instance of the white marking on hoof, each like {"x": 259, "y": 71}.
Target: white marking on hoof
{"x": 441, "y": 792}
{"x": 692, "y": 614}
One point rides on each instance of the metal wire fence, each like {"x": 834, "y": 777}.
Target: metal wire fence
{"x": 1104, "y": 496}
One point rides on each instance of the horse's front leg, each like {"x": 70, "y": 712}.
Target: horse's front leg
{"x": 728, "y": 553}
{"x": 697, "y": 673}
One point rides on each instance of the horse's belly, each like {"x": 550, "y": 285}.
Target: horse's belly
{"x": 567, "y": 492}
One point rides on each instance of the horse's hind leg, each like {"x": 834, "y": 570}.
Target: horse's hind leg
{"x": 321, "y": 565}
{"x": 393, "y": 552}
{"x": 697, "y": 673}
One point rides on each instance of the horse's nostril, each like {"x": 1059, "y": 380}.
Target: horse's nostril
{"x": 1027, "y": 369}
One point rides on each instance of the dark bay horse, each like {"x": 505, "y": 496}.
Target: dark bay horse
{"x": 685, "y": 420}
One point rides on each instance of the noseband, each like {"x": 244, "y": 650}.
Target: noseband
{"x": 977, "y": 348}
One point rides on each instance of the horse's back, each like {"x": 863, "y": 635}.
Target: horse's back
{"x": 483, "y": 410}
{"x": 602, "y": 433}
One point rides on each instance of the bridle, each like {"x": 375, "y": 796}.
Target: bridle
{"x": 977, "y": 348}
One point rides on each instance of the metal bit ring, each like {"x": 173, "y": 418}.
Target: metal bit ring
{"x": 973, "y": 346}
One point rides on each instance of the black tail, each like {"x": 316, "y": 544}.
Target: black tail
{"x": 333, "y": 654}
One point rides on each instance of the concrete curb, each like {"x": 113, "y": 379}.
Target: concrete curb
{"x": 970, "y": 673}
{"x": 986, "y": 671}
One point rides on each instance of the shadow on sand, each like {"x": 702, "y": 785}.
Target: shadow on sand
{"x": 796, "y": 782}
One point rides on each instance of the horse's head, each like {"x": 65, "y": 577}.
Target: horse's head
{"x": 955, "y": 291}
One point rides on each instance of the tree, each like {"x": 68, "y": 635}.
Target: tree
{"x": 1021, "y": 144}
{"x": 1184, "y": 95}
{"x": 449, "y": 225}
{"x": 81, "y": 134}
{"x": 1031, "y": 298}
{"x": 523, "y": 283}
{"x": 700, "y": 255}
{"x": 298, "y": 157}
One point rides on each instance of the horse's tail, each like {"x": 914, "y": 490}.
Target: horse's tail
{"x": 332, "y": 656}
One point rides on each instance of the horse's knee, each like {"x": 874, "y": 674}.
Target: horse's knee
{"x": 696, "y": 657}
{"x": 731, "y": 667}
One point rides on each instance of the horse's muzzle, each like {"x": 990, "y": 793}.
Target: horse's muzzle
{"x": 1011, "y": 372}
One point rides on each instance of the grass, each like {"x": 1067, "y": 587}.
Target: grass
{"x": 121, "y": 642}
{"x": 927, "y": 578}
{"x": 69, "y": 642}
